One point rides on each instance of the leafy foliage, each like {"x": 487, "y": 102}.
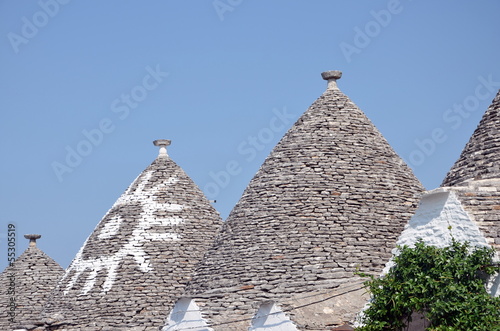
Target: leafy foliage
{"x": 447, "y": 285}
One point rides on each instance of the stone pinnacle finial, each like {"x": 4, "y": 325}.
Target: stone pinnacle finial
{"x": 162, "y": 143}
{"x": 331, "y": 77}
{"x": 32, "y": 238}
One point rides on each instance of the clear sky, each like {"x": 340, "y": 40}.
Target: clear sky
{"x": 86, "y": 86}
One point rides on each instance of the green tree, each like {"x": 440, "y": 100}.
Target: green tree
{"x": 446, "y": 285}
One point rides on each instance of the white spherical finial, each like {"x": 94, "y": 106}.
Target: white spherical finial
{"x": 162, "y": 143}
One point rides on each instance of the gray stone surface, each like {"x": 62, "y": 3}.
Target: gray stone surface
{"x": 480, "y": 159}
{"x": 481, "y": 200}
{"x": 330, "y": 199}
{"x": 140, "y": 256}
{"x": 476, "y": 175}
{"x": 33, "y": 275}
{"x": 333, "y": 74}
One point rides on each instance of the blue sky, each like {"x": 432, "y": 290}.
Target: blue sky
{"x": 86, "y": 86}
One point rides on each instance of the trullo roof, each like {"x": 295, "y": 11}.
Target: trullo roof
{"x": 475, "y": 177}
{"x": 140, "y": 256}
{"x": 330, "y": 199}
{"x": 26, "y": 286}
{"x": 480, "y": 159}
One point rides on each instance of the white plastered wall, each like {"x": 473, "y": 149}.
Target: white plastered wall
{"x": 270, "y": 317}
{"x": 186, "y": 315}
{"x": 440, "y": 216}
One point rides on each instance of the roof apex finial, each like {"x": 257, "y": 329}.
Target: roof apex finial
{"x": 331, "y": 77}
{"x": 162, "y": 143}
{"x": 32, "y": 238}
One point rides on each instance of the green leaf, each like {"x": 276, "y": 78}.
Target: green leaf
{"x": 444, "y": 283}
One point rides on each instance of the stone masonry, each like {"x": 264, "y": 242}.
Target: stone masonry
{"x": 330, "y": 199}
{"x": 480, "y": 158}
{"x": 31, "y": 279}
{"x": 140, "y": 256}
{"x": 481, "y": 200}
{"x": 467, "y": 205}
{"x": 475, "y": 177}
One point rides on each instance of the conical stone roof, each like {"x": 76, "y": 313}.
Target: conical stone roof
{"x": 481, "y": 201}
{"x": 26, "y": 287}
{"x": 140, "y": 256}
{"x": 331, "y": 198}
{"x": 475, "y": 177}
{"x": 480, "y": 159}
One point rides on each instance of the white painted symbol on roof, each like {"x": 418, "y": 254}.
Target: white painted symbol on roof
{"x": 147, "y": 197}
